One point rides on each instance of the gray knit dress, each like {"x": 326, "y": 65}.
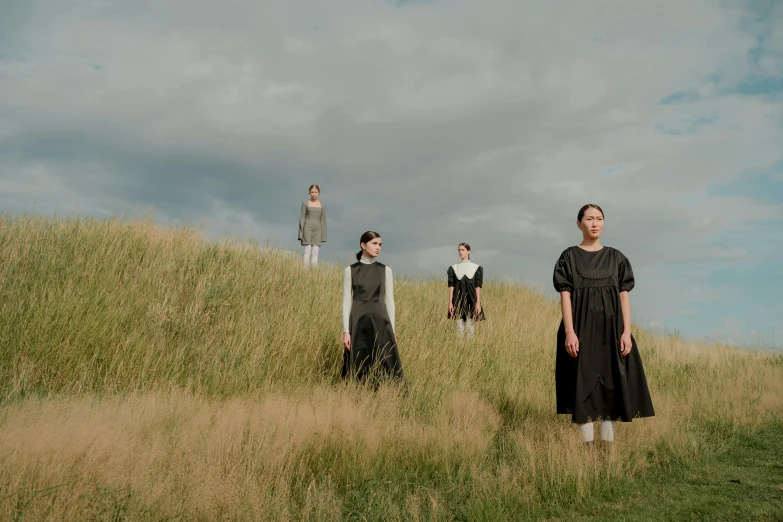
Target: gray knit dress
{"x": 312, "y": 225}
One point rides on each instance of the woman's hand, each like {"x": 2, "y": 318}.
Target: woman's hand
{"x": 451, "y": 308}
{"x": 347, "y": 341}
{"x": 478, "y": 308}
{"x": 572, "y": 344}
{"x": 625, "y": 343}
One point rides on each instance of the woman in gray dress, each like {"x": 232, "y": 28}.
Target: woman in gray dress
{"x": 368, "y": 315}
{"x": 312, "y": 226}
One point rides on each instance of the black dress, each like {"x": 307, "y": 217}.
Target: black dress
{"x": 372, "y": 337}
{"x": 599, "y": 383}
{"x": 465, "y": 277}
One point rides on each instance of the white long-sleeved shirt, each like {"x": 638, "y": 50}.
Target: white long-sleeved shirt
{"x": 348, "y": 297}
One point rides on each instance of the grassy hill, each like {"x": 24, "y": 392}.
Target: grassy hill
{"x": 147, "y": 374}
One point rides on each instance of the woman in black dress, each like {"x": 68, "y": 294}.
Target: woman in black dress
{"x": 599, "y": 374}
{"x": 465, "y": 281}
{"x": 368, "y": 314}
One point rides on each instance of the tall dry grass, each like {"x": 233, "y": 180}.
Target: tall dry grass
{"x": 146, "y": 373}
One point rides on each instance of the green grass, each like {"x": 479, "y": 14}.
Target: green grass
{"x": 742, "y": 480}
{"x": 148, "y": 374}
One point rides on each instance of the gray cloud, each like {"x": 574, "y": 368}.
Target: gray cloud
{"x": 430, "y": 123}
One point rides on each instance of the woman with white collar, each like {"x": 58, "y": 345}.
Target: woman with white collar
{"x": 368, "y": 314}
{"x": 465, "y": 281}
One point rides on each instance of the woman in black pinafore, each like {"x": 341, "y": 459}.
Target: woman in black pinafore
{"x": 599, "y": 373}
{"x": 368, "y": 315}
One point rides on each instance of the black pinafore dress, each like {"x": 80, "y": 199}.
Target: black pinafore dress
{"x": 373, "y": 345}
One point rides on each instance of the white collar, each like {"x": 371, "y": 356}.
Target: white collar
{"x": 366, "y": 260}
{"x": 465, "y": 268}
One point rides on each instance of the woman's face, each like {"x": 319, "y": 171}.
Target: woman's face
{"x": 373, "y": 248}
{"x": 463, "y": 252}
{"x": 314, "y": 193}
{"x": 592, "y": 223}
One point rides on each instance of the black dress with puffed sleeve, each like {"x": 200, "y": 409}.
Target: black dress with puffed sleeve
{"x": 600, "y": 383}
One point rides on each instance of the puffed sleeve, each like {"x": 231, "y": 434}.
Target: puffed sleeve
{"x": 302, "y": 215}
{"x": 625, "y": 275}
{"x": 562, "y": 278}
{"x": 452, "y": 277}
{"x": 478, "y": 279}
{"x": 323, "y": 223}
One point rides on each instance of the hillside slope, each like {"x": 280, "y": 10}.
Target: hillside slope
{"x": 147, "y": 373}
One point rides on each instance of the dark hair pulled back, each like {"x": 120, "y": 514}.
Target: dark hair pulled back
{"x": 467, "y": 247}
{"x": 584, "y": 208}
{"x": 366, "y": 238}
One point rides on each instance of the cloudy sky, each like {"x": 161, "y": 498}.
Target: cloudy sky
{"x": 432, "y": 122}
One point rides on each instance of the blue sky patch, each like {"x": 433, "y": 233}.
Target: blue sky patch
{"x": 760, "y": 87}
{"x": 681, "y": 97}
{"x": 764, "y": 187}
{"x": 685, "y": 128}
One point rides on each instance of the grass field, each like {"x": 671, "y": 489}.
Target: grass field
{"x": 147, "y": 374}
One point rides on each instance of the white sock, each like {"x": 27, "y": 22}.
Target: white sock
{"x": 469, "y": 322}
{"x": 306, "y": 257}
{"x": 314, "y": 260}
{"x": 587, "y": 431}
{"x": 607, "y": 431}
{"x": 460, "y": 327}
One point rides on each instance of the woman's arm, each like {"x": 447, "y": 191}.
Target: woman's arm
{"x": 478, "y": 279}
{"x": 572, "y": 341}
{"x": 390, "y": 296}
{"x": 625, "y": 339}
{"x": 302, "y": 219}
{"x": 451, "y": 277}
{"x": 323, "y": 223}
{"x": 347, "y": 301}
